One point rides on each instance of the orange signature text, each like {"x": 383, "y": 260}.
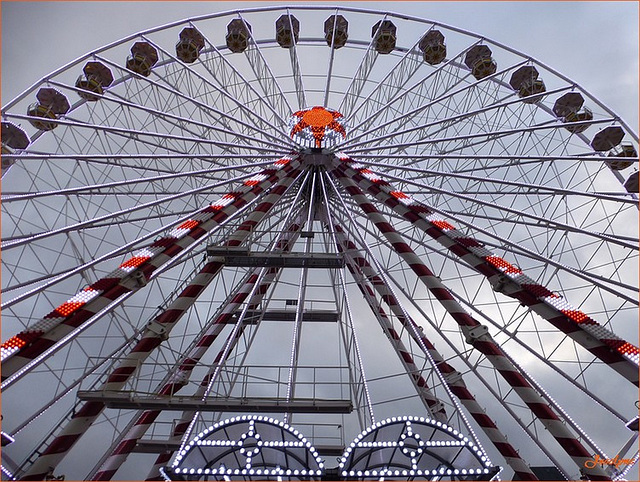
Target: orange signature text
{"x": 597, "y": 460}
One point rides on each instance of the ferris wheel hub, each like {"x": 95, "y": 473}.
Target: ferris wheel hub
{"x": 317, "y": 128}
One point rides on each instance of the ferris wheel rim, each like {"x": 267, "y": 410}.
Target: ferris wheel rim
{"x": 364, "y": 160}
{"x": 345, "y": 8}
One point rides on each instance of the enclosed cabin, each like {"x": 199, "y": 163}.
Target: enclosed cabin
{"x": 50, "y": 104}
{"x": 526, "y": 82}
{"x": 383, "y": 34}
{"x": 609, "y": 139}
{"x": 287, "y": 31}
{"x": 631, "y": 184}
{"x": 570, "y": 109}
{"x": 142, "y": 59}
{"x": 97, "y": 77}
{"x": 190, "y": 44}
{"x": 433, "y": 47}
{"x": 336, "y": 31}
{"x": 13, "y": 138}
{"x": 479, "y": 59}
{"x": 629, "y": 155}
{"x": 238, "y": 34}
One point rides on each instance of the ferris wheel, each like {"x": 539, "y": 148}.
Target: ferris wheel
{"x": 309, "y": 242}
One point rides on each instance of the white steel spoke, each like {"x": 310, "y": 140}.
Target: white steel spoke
{"x": 232, "y": 98}
{"x": 188, "y": 125}
{"x": 91, "y": 222}
{"x": 524, "y": 188}
{"x": 353, "y": 91}
{"x": 270, "y": 87}
{"x": 404, "y": 234}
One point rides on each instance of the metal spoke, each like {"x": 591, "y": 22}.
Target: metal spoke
{"x": 328, "y": 251}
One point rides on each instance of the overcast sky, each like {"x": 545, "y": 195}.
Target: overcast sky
{"x": 593, "y": 43}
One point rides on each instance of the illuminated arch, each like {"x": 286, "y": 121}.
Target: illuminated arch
{"x": 248, "y": 447}
{"x": 407, "y": 447}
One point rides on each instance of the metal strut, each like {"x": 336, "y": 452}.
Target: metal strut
{"x": 619, "y": 354}
{"x": 452, "y": 378}
{"x": 20, "y": 350}
{"x": 476, "y": 334}
{"x": 279, "y": 180}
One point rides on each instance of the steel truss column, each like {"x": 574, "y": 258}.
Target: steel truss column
{"x": 511, "y": 335}
{"x": 297, "y": 324}
{"x": 450, "y": 376}
{"x": 498, "y": 397}
{"x": 432, "y": 403}
{"x": 434, "y": 406}
{"x": 184, "y": 425}
{"x": 359, "y": 384}
{"x": 362, "y": 397}
{"x": 476, "y": 334}
{"x": 619, "y": 354}
{"x": 20, "y": 350}
{"x": 176, "y": 381}
{"x": 180, "y": 429}
{"x": 161, "y": 326}
{"x": 35, "y": 451}
{"x": 180, "y": 377}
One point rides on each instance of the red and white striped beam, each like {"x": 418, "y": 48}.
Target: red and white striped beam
{"x": 190, "y": 360}
{"x": 182, "y": 426}
{"x": 477, "y": 335}
{"x": 450, "y": 376}
{"x": 434, "y": 406}
{"x": 619, "y": 354}
{"x": 158, "y": 329}
{"x": 21, "y": 349}
{"x": 179, "y": 379}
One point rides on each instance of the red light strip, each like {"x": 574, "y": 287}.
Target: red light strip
{"x": 476, "y": 248}
{"x": 139, "y": 258}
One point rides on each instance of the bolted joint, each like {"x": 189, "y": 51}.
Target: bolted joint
{"x": 453, "y": 378}
{"x": 437, "y": 407}
{"x": 135, "y": 280}
{"x": 139, "y": 278}
{"x": 472, "y": 334}
{"x": 158, "y": 329}
{"x": 498, "y": 283}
